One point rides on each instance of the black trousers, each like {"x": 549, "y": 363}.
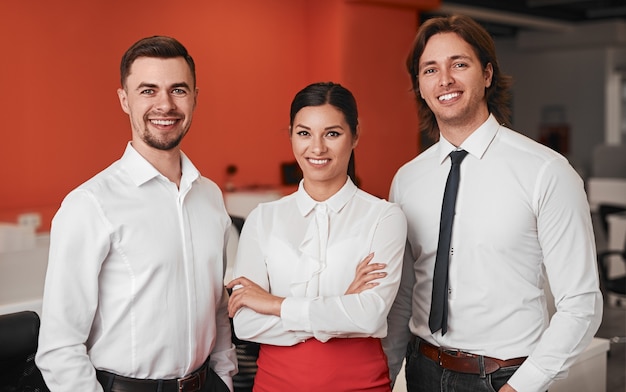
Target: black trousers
{"x": 113, "y": 383}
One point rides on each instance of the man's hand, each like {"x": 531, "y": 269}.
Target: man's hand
{"x": 365, "y": 274}
{"x": 253, "y": 296}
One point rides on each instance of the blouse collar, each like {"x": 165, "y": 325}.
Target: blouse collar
{"x": 335, "y": 203}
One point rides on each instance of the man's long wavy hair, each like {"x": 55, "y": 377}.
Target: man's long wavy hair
{"x": 497, "y": 95}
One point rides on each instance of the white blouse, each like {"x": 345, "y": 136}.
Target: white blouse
{"x": 307, "y": 252}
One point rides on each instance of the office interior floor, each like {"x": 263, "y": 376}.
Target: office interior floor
{"x": 613, "y": 327}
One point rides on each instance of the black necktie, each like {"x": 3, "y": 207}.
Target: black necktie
{"x": 439, "y": 306}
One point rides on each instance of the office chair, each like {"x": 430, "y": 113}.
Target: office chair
{"x": 611, "y": 285}
{"x": 614, "y": 285}
{"x": 19, "y": 333}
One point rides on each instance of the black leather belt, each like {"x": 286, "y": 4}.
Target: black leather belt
{"x": 191, "y": 383}
{"x": 462, "y": 362}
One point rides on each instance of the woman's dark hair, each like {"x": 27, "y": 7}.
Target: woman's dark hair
{"x": 318, "y": 94}
{"x": 156, "y": 46}
{"x": 497, "y": 94}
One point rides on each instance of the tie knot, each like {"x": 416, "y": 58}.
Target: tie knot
{"x": 457, "y": 156}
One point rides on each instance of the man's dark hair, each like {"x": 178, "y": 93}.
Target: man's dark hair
{"x": 156, "y": 46}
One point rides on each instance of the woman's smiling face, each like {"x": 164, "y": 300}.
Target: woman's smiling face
{"x": 322, "y": 143}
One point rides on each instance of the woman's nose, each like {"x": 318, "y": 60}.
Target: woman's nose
{"x": 319, "y": 145}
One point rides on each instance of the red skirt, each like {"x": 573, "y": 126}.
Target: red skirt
{"x": 341, "y": 365}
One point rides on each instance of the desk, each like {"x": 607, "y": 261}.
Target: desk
{"x": 22, "y": 276}
{"x": 241, "y": 203}
{"x": 588, "y": 373}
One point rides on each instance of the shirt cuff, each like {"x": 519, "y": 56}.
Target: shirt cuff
{"x": 294, "y": 313}
{"x": 529, "y": 378}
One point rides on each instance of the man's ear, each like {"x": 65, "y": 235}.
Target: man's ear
{"x": 123, "y": 97}
{"x": 488, "y": 75}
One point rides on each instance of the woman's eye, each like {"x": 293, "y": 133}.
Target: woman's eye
{"x": 333, "y": 134}
{"x": 302, "y": 133}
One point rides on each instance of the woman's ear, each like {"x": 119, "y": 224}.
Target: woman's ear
{"x": 355, "y": 138}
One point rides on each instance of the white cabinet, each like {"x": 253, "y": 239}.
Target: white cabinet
{"x": 22, "y": 276}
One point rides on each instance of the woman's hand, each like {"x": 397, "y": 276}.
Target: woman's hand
{"x": 253, "y": 296}
{"x": 365, "y": 274}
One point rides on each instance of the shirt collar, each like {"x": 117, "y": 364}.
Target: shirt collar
{"x": 476, "y": 144}
{"x": 141, "y": 171}
{"x": 336, "y": 202}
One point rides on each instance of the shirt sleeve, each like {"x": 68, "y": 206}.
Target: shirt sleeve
{"x": 398, "y": 332}
{"x": 224, "y": 356}
{"x": 566, "y": 237}
{"x": 250, "y": 325}
{"x": 362, "y": 314}
{"x": 79, "y": 243}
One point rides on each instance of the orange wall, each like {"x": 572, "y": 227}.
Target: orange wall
{"x": 59, "y": 68}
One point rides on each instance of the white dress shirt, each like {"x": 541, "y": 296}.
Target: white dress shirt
{"x": 135, "y": 279}
{"x": 522, "y": 218}
{"x": 307, "y": 252}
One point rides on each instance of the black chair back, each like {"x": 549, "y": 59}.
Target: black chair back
{"x": 19, "y": 333}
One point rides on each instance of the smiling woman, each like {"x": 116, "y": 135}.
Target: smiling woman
{"x": 322, "y": 143}
{"x": 333, "y": 255}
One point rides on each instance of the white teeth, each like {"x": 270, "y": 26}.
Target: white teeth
{"x": 163, "y": 122}
{"x": 318, "y": 161}
{"x": 446, "y": 97}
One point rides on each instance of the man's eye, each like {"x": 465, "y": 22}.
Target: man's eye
{"x": 460, "y": 65}
{"x": 147, "y": 91}
{"x": 428, "y": 71}
{"x": 179, "y": 91}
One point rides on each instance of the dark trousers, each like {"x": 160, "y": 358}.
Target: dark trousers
{"x": 109, "y": 382}
{"x": 424, "y": 375}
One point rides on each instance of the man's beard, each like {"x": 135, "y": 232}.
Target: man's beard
{"x": 164, "y": 145}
